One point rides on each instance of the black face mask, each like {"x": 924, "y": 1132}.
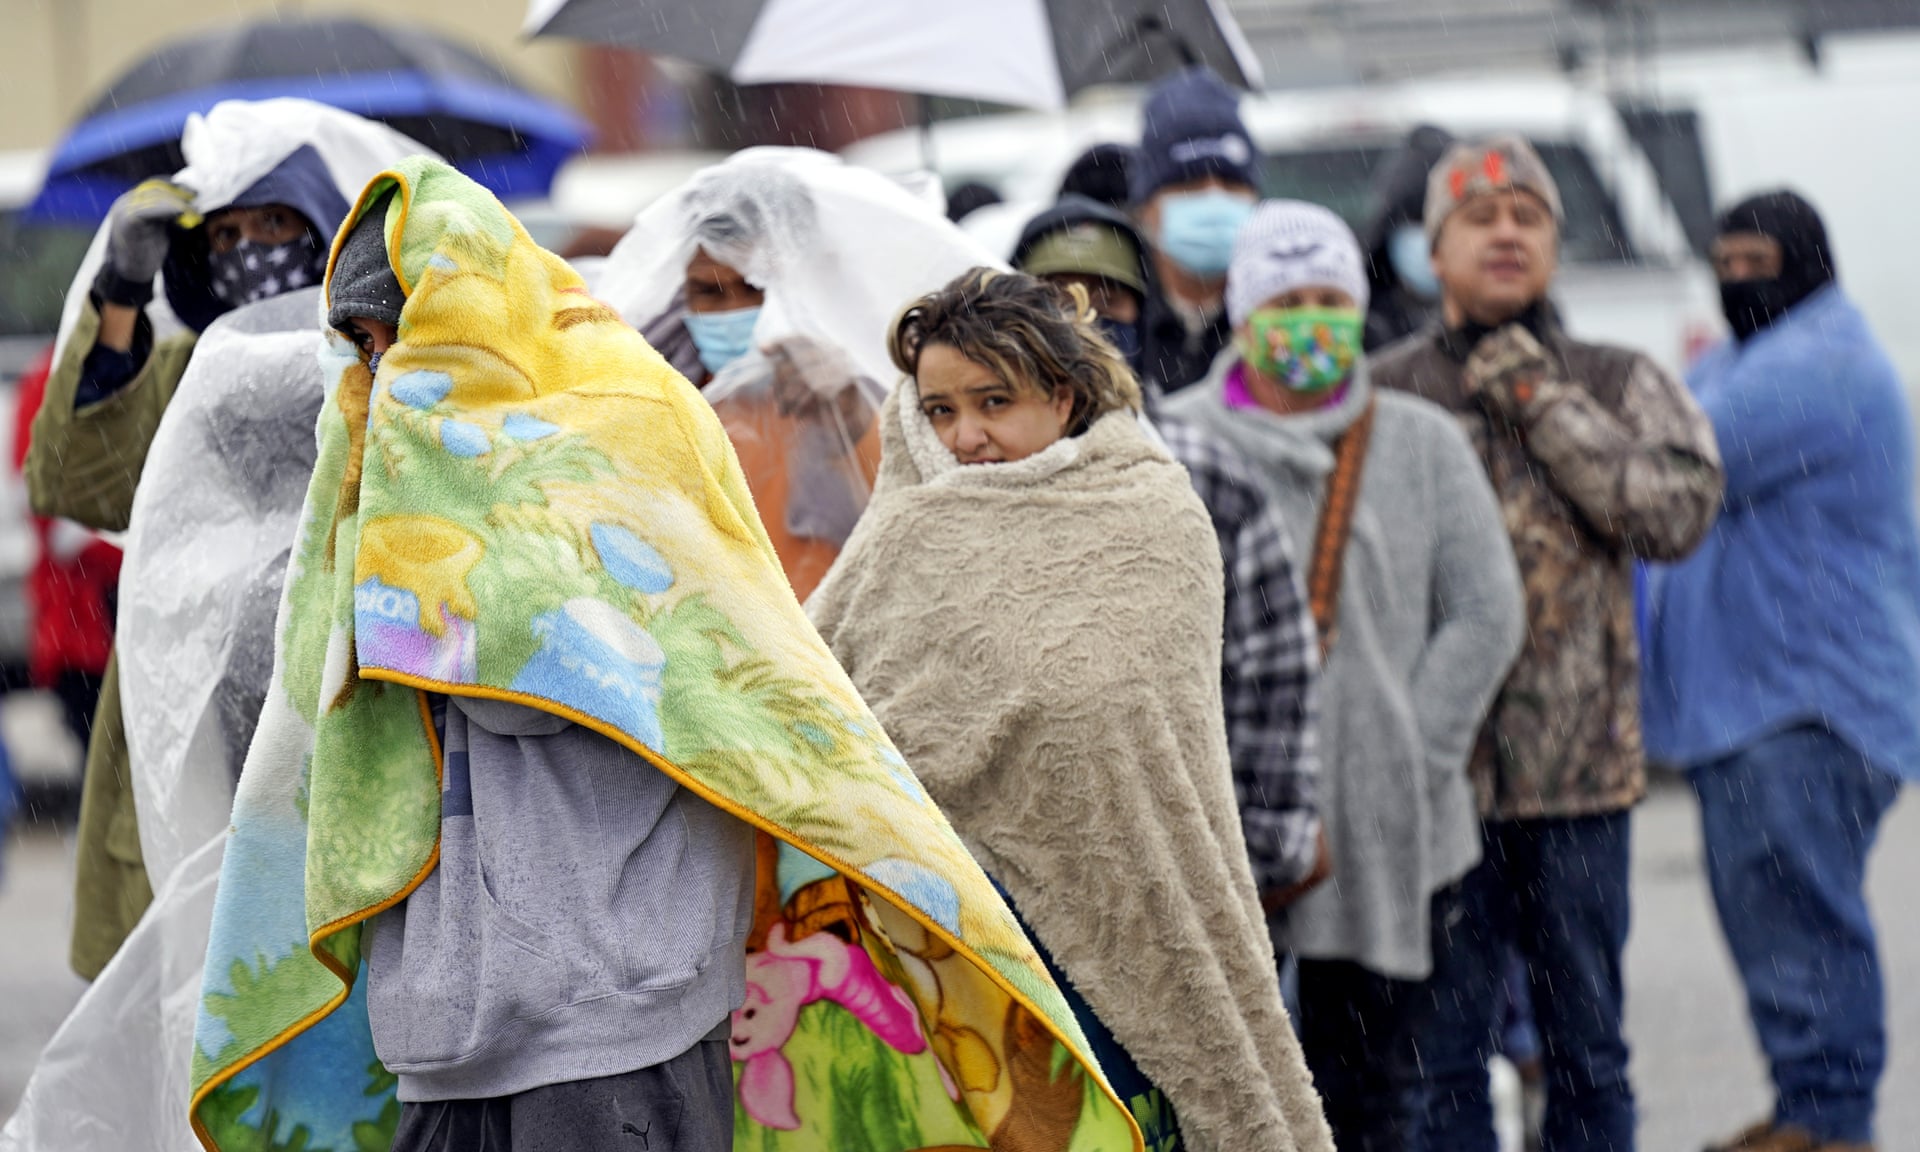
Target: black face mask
{"x": 1125, "y": 337}
{"x": 1751, "y": 306}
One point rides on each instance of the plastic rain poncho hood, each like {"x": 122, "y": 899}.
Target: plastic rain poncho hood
{"x": 838, "y": 251}
{"x": 234, "y": 146}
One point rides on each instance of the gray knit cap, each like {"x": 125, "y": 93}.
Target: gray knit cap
{"x": 363, "y": 283}
{"x": 1289, "y": 244}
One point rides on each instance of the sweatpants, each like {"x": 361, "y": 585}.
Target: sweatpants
{"x": 683, "y": 1105}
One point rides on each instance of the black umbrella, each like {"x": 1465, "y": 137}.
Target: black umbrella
{"x": 442, "y": 94}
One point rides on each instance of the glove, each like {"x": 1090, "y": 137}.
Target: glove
{"x": 1508, "y": 371}
{"x": 138, "y": 233}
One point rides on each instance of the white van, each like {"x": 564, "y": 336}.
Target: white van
{"x": 1629, "y": 276}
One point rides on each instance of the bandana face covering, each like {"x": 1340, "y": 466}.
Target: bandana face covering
{"x": 249, "y": 272}
{"x": 1305, "y": 349}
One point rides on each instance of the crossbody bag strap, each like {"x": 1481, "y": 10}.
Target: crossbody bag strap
{"x": 1336, "y": 525}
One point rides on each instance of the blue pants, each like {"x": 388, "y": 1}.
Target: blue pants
{"x": 1557, "y": 891}
{"x": 1788, "y": 825}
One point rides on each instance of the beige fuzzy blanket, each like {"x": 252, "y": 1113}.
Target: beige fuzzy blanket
{"x": 1042, "y": 641}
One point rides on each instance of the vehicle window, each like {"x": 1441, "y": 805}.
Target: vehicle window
{"x": 1342, "y": 179}
{"x": 37, "y": 264}
{"x": 1592, "y": 233}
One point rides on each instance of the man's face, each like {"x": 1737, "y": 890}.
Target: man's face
{"x": 1111, "y": 299}
{"x": 1496, "y": 256}
{"x": 716, "y": 287}
{"x": 268, "y": 224}
{"x": 1746, "y": 256}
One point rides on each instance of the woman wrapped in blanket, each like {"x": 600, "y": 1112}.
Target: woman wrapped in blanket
{"x": 768, "y": 281}
{"x": 1031, "y": 605}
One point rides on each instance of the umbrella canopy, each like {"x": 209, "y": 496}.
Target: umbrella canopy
{"x": 1028, "y": 53}
{"x": 444, "y": 95}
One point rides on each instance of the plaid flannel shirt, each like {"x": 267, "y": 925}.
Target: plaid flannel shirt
{"x": 1269, "y": 662}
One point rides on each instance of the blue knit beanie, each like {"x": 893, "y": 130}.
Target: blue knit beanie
{"x": 1192, "y": 128}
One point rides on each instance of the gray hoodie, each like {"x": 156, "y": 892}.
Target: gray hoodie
{"x": 1430, "y": 618}
{"x": 588, "y": 916}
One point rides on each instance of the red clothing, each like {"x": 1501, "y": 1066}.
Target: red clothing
{"x": 70, "y": 598}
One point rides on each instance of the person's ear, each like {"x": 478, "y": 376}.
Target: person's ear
{"x": 1062, "y": 402}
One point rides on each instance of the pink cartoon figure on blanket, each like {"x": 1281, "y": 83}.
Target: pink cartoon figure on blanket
{"x": 787, "y": 977}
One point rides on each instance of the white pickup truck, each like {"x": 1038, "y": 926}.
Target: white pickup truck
{"x": 1628, "y": 274}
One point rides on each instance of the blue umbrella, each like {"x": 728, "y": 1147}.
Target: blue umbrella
{"x": 444, "y": 95}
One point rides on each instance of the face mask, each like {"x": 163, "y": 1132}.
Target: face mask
{"x": 250, "y": 272}
{"x": 1124, "y": 337}
{"x": 1197, "y": 229}
{"x": 1412, "y": 260}
{"x": 373, "y": 362}
{"x": 1304, "y": 349}
{"x": 722, "y": 337}
{"x": 1752, "y": 306}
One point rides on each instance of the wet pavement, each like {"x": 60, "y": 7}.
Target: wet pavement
{"x": 1695, "y": 1066}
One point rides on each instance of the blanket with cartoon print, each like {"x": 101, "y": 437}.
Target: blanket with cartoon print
{"x": 527, "y": 504}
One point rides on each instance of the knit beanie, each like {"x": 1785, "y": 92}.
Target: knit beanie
{"x": 1102, "y": 173}
{"x": 363, "y": 283}
{"x": 1191, "y": 129}
{"x": 1476, "y": 167}
{"x": 1291, "y": 244}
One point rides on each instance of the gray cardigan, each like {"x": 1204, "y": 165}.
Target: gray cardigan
{"x": 1430, "y": 618}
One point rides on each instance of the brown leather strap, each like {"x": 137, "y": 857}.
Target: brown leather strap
{"x": 1336, "y": 523}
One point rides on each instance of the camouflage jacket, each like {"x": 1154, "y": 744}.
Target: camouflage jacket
{"x": 1598, "y": 458}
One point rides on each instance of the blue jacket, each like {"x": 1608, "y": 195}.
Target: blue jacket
{"x": 1803, "y": 605}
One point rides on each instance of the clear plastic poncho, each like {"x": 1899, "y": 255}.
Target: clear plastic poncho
{"x": 838, "y": 252}
{"x": 213, "y": 524}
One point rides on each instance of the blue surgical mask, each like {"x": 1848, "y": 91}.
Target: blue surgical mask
{"x": 1197, "y": 229}
{"x": 722, "y": 337}
{"x": 373, "y": 362}
{"x": 1412, "y": 260}
{"x": 1125, "y": 338}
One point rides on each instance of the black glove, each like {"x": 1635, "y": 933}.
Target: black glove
{"x": 137, "y": 240}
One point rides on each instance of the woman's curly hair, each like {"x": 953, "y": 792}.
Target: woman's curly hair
{"x": 1030, "y": 333}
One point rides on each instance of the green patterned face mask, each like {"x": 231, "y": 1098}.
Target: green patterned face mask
{"x": 1304, "y": 349}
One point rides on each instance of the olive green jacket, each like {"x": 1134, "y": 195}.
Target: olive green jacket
{"x": 83, "y": 466}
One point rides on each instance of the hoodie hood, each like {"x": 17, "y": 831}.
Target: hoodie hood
{"x": 1074, "y": 211}
{"x": 302, "y": 182}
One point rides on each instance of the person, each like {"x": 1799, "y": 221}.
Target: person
{"x": 640, "y": 1033}
{"x": 1082, "y": 241}
{"x": 969, "y": 198}
{"x": 1032, "y": 606}
{"x": 1195, "y": 180}
{"x": 247, "y": 219}
{"x": 768, "y": 281}
{"x": 1403, "y": 296}
{"x": 1417, "y": 602}
{"x": 1102, "y": 174}
{"x": 1783, "y": 663}
{"x": 71, "y": 589}
{"x": 1270, "y": 664}
{"x": 1597, "y": 458}
{"x": 539, "y": 681}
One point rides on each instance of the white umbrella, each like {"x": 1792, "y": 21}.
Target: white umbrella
{"x": 1028, "y": 53}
